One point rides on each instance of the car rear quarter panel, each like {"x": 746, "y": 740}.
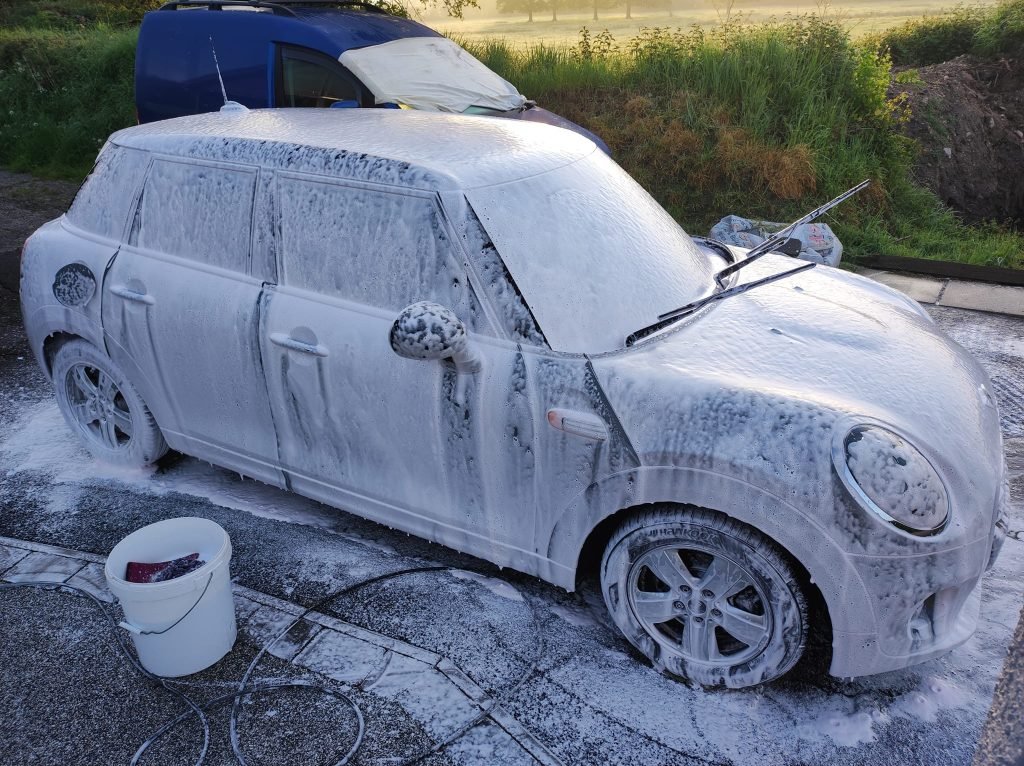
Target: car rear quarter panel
{"x": 52, "y": 247}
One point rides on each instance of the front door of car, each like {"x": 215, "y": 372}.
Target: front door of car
{"x": 408, "y": 442}
{"x": 181, "y": 308}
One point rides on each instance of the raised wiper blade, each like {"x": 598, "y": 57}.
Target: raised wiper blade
{"x": 664, "y": 320}
{"x": 778, "y": 239}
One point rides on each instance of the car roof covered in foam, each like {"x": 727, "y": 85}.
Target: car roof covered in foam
{"x": 425, "y": 150}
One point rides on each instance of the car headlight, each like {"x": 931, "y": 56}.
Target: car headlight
{"x": 891, "y": 478}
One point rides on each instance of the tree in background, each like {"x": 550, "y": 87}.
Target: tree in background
{"x": 653, "y": 5}
{"x": 602, "y": 5}
{"x": 522, "y": 6}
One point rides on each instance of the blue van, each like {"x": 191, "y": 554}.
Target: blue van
{"x": 312, "y": 53}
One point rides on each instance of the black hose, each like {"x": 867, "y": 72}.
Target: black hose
{"x": 245, "y": 689}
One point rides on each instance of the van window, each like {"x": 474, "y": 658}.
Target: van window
{"x": 102, "y": 204}
{"x": 197, "y": 211}
{"x": 377, "y": 248}
{"x": 307, "y": 78}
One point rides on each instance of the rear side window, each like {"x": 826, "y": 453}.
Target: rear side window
{"x": 310, "y": 79}
{"x": 377, "y": 248}
{"x": 197, "y": 211}
{"x": 103, "y": 203}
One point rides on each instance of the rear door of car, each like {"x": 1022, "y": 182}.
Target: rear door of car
{"x": 182, "y": 304}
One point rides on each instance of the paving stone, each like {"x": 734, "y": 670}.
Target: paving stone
{"x": 426, "y": 694}
{"x": 999, "y": 299}
{"x": 921, "y": 289}
{"x": 526, "y": 738}
{"x": 266, "y": 623}
{"x": 92, "y": 579}
{"x": 341, "y": 657}
{"x": 457, "y": 676}
{"x": 244, "y": 608}
{"x": 490, "y": 744}
{"x": 9, "y": 557}
{"x": 44, "y": 567}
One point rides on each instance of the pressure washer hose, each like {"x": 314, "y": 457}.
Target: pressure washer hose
{"x": 245, "y": 688}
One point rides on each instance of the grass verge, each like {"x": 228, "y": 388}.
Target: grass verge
{"x": 763, "y": 120}
{"x": 62, "y": 94}
{"x": 766, "y": 121}
{"x": 983, "y": 31}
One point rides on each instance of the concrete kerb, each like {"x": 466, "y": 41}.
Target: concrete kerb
{"x": 953, "y": 293}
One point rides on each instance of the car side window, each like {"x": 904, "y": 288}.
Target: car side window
{"x": 378, "y": 248}
{"x": 310, "y": 79}
{"x": 498, "y": 284}
{"x": 197, "y": 211}
{"x": 105, "y": 199}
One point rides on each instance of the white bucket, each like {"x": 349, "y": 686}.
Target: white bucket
{"x": 196, "y": 610}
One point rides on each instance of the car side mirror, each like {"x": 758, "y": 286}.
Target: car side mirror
{"x": 428, "y": 330}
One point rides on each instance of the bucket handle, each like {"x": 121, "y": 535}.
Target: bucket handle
{"x": 140, "y": 632}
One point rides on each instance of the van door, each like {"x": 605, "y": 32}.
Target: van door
{"x": 182, "y": 305}
{"x": 308, "y": 78}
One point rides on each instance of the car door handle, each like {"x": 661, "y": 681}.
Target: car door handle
{"x": 132, "y": 295}
{"x": 288, "y": 342}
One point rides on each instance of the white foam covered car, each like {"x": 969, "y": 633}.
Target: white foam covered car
{"x": 457, "y": 327}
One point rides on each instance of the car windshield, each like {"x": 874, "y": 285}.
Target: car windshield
{"x": 594, "y": 256}
{"x": 430, "y": 73}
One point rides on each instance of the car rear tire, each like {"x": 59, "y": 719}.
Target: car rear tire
{"x": 704, "y": 597}
{"x": 103, "y": 408}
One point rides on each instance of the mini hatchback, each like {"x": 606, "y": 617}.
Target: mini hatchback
{"x": 485, "y": 333}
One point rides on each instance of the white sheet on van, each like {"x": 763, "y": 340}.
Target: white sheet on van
{"x": 430, "y": 73}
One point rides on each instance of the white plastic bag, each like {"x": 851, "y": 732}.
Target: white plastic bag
{"x": 818, "y": 242}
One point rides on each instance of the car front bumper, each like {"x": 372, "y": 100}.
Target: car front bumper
{"x": 924, "y": 606}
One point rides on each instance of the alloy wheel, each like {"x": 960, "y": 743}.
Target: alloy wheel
{"x": 98, "y": 406}
{"x": 700, "y": 604}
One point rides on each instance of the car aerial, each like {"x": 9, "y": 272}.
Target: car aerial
{"x": 312, "y": 53}
{"x": 469, "y": 329}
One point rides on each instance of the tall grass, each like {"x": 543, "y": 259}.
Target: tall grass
{"x": 62, "y": 93}
{"x": 766, "y": 121}
{"x": 987, "y": 31}
{"x": 759, "y": 117}
{"x": 72, "y": 14}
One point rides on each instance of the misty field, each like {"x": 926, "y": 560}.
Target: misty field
{"x": 858, "y": 17}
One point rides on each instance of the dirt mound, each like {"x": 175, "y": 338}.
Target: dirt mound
{"x": 967, "y": 114}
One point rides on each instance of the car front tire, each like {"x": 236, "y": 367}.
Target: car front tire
{"x": 103, "y": 408}
{"x": 704, "y": 597}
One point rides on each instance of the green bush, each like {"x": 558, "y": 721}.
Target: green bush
{"x": 1002, "y": 30}
{"x": 63, "y": 93}
{"x": 72, "y": 14}
{"x": 933, "y": 39}
{"x": 767, "y": 120}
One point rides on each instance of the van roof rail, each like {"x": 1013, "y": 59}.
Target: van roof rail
{"x": 278, "y": 7}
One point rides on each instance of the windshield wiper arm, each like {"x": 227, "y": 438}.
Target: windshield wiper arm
{"x": 778, "y": 239}
{"x": 753, "y": 254}
{"x": 664, "y": 320}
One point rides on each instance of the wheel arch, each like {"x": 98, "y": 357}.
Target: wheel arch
{"x": 52, "y": 343}
{"x": 50, "y": 327}
{"x": 47, "y": 339}
{"x": 835, "y": 589}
